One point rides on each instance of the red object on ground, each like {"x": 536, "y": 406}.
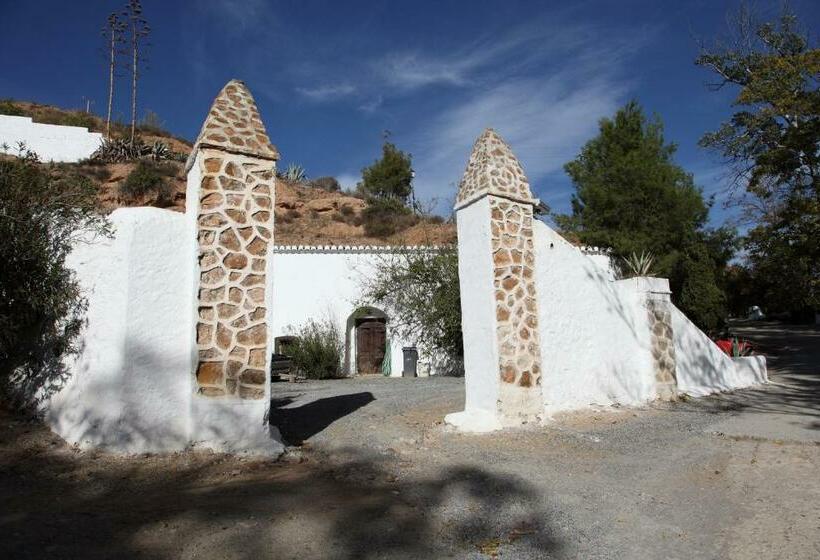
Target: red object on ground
{"x": 726, "y": 345}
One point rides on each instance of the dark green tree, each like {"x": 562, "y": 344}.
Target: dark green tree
{"x": 41, "y": 304}
{"x": 390, "y": 177}
{"x": 632, "y": 196}
{"x": 772, "y": 142}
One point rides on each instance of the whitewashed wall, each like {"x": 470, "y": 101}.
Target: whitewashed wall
{"x": 130, "y": 388}
{"x": 327, "y": 282}
{"x": 49, "y": 141}
{"x": 595, "y": 338}
{"x": 595, "y": 345}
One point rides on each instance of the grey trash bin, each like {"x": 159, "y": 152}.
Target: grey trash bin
{"x": 411, "y": 358}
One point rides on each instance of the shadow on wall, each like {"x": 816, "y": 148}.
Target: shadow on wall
{"x": 66, "y": 505}
{"x": 129, "y": 412}
{"x": 297, "y": 424}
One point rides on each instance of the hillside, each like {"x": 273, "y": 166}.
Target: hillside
{"x": 304, "y": 215}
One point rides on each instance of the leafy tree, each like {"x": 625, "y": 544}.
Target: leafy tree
{"x": 41, "y": 306}
{"x": 389, "y": 177}
{"x": 772, "y": 143}
{"x": 420, "y": 292}
{"x": 632, "y": 196}
{"x": 317, "y": 350}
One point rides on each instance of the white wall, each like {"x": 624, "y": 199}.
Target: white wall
{"x": 49, "y": 141}
{"x": 327, "y": 282}
{"x": 595, "y": 343}
{"x": 130, "y": 388}
{"x": 702, "y": 368}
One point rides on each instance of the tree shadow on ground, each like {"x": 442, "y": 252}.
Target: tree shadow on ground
{"x": 296, "y": 424}
{"x": 60, "y": 503}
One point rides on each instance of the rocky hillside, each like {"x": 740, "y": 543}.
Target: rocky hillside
{"x": 309, "y": 216}
{"x": 305, "y": 215}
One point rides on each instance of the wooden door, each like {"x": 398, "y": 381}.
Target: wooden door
{"x": 371, "y": 337}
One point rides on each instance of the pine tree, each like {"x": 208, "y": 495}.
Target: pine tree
{"x": 632, "y": 196}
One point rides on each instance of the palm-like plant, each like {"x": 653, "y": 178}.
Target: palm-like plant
{"x": 638, "y": 265}
{"x": 294, "y": 173}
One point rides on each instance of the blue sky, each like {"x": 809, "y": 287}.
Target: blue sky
{"x": 330, "y": 77}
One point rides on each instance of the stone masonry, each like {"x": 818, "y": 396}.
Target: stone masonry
{"x": 494, "y": 171}
{"x": 663, "y": 347}
{"x": 235, "y": 227}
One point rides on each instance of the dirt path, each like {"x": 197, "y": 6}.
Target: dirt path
{"x": 378, "y": 476}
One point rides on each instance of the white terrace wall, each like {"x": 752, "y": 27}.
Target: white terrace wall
{"x": 327, "y": 282}
{"x": 49, "y": 141}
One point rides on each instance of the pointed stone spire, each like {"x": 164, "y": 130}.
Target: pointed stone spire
{"x": 233, "y": 124}
{"x": 493, "y": 169}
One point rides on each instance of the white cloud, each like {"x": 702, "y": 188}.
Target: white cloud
{"x": 327, "y": 92}
{"x": 545, "y": 121}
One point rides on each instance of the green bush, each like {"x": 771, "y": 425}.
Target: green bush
{"x": 41, "y": 304}
{"x": 317, "y": 350}
{"x": 385, "y": 216}
{"x": 148, "y": 179}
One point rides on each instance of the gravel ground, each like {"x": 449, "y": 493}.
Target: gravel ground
{"x": 375, "y": 474}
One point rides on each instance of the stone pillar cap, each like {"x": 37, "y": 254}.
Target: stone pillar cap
{"x": 493, "y": 169}
{"x": 234, "y": 125}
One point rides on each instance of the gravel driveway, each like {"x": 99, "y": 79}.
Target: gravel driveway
{"x": 374, "y": 474}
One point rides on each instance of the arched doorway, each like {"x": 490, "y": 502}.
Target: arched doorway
{"x": 367, "y": 341}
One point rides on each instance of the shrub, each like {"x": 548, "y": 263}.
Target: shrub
{"x": 423, "y": 289}
{"x": 326, "y": 184}
{"x": 317, "y": 350}
{"x": 385, "y": 216}
{"x": 7, "y": 107}
{"x": 294, "y": 173}
{"x": 148, "y": 179}
{"x": 42, "y": 213}
{"x": 347, "y": 210}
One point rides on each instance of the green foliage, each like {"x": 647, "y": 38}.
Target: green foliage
{"x": 420, "y": 293}
{"x": 41, "y": 304}
{"x": 385, "y": 216}
{"x": 773, "y": 144}
{"x": 317, "y": 350}
{"x": 389, "y": 177}
{"x": 8, "y": 107}
{"x": 148, "y": 179}
{"x": 119, "y": 150}
{"x": 637, "y": 265}
{"x": 632, "y": 196}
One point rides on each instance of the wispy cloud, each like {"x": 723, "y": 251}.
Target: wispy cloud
{"x": 544, "y": 119}
{"x": 327, "y": 92}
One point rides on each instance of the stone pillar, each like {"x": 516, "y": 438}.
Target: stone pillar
{"x": 659, "y": 316}
{"x": 502, "y": 355}
{"x": 230, "y": 197}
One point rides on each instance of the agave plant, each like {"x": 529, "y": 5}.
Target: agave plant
{"x": 638, "y": 265}
{"x": 294, "y": 173}
{"x": 119, "y": 150}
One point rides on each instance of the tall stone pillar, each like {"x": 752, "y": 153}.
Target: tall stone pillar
{"x": 230, "y": 197}
{"x": 502, "y": 356}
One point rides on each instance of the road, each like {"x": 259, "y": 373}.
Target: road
{"x": 373, "y": 473}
